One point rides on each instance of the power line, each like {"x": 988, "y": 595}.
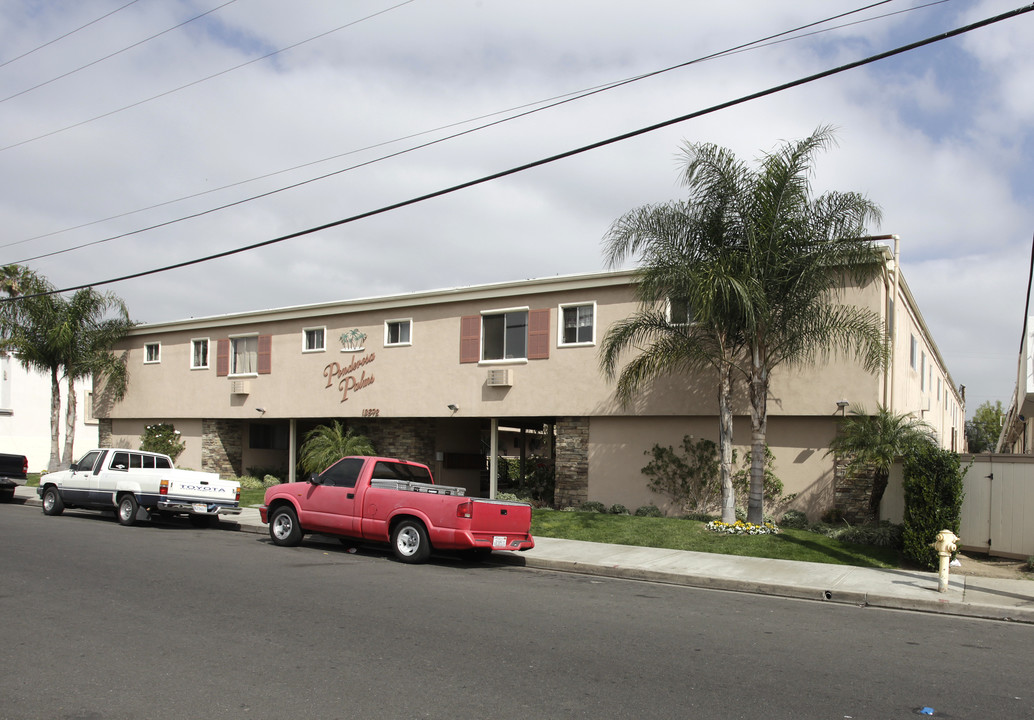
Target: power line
{"x": 67, "y": 34}
{"x": 561, "y": 156}
{"x": 552, "y": 102}
{"x": 201, "y": 80}
{"x": 117, "y": 52}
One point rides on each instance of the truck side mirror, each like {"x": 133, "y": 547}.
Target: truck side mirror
{"x": 315, "y": 479}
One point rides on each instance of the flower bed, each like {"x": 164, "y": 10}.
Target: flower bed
{"x": 741, "y": 528}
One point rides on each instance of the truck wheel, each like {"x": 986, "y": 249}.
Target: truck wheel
{"x": 409, "y": 542}
{"x": 6, "y": 494}
{"x": 52, "y": 504}
{"x": 284, "y": 528}
{"x": 127, "y": 507}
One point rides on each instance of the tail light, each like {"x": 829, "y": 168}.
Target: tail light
{"x": 465, "y": 509}
{"x": 238, "y": 498}
{"x": 25, "y": 466}
{"x": 163, "y": 489}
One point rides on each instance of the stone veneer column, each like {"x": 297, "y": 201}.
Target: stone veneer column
{"x": 572, "y": 461}
{"x": 851, "y": 493}
{"x": 402, "y": 438}
{"x": 104, "y": 432}
{"x": 221, "y": 447}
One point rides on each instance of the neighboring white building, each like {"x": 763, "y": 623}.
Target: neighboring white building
{"x": 25, "y": 414}
{"x": 1017, "y": 429}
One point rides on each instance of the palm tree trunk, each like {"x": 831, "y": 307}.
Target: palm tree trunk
{"x": 758, "y": 431}
{"x": 55, "y": 422}
{"x": 725, "y": 445}
{"x": 67, "y": 458}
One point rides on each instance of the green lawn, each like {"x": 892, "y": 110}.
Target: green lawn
{"x": 679, "y": 534}
{"x": 252, "y": 497}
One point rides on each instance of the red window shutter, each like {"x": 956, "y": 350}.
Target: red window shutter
{"x": 265, "y": 354}
{"x": 222, "y": 357}
{"x": 538, "y": 334}
{"x": 470, "y": 338}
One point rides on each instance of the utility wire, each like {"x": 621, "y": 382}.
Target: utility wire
{"x": 561, "y": 156}
{"x": 201, "y": 80}
{"x": 553, "y": 102}
{"x": 67, "y": 34}
{"x": 117, "y": 52}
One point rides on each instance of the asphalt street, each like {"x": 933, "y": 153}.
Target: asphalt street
{"x": 166, "y": 621}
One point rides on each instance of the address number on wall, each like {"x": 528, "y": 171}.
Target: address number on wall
{"x": 371, "y": 412}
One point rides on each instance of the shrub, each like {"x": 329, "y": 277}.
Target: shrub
{"x": 270, "y": 480}
{"x": 882, "y": 535}
{"x": 1029, "y": 567}
{"x": 933, "y": 501}
{"x": 689, "y": 477}
{"x": 773, "y": 486}
{"x": 648, "y": 511}
{"x": 162, "y": 438}
{"x": 794, "y": 519}
{"x": 618, "y": 509}
{"x": 261, "y": 471}
{"x": 250, "y": 482}
{"x": 833, "y": 516}
{"x": 593, "y": 506}
{"x": 699, "y": 517}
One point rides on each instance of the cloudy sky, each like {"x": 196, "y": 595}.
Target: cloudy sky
{"x": 119, "y": 116}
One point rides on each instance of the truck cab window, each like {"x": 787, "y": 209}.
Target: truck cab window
{"x": 343, "y": 473}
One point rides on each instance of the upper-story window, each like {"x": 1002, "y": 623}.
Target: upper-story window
{"x": 505, "y": 335}
{"x": 578, "y": 324}
{"x": 913, "y": 352}
{"x": 199, "y": 353}
{"x": 680, "y": 312}
{"x": 314, "y": 339}
{"x": 513, "y": 334}
{"x": 244, "y": 355}
{"x": 922, "y": 371}
{"x": 398, "y": 332}
{"x": 152, "y": 352}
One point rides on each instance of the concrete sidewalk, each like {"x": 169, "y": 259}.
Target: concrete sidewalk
{"x": 967, "y": 595}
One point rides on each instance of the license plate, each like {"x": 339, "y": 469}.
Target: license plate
{"x": 499, "y": 541}
{"x": 200, "y": 508}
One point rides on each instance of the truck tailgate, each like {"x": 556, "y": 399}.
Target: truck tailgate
{"x": 500, "y": 517}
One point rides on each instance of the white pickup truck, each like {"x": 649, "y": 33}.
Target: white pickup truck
{"x": 137, "y": 484}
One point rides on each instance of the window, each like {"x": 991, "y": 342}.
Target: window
{"x": 922, "y": 372}
{"x": 88, "y": 461}
{"x": 398, "y": 332}
{"x": 343, "y": 473}
{"x": 505, "y": 336}
{"x": 314, "y": 339}
{"x": 890, "y": 316}
{"x": 267, "y": 437}
{"x": 399, "y": 471}
{"x": 199, "y": 354}
{"x": 152, "y": 352}
{"x": 679, "y": 311}
{"x": 88, "y": 416}
{"x": 913, "y": 352}
{"x": 578, "y": 326}
{"x": 244, "y": 355}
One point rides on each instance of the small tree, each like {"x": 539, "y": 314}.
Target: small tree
{"x": 933, "y": 500}
{"x": 689, "y": 478}
{"x": 871, "y": 443}
{"x": 773, "y": 485}
{"x": 326, "y": 444}
{"x": 162, "y": 438}
{"x": 983, "y": 430}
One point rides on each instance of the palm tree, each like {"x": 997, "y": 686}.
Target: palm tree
{"x": 798, "y": 253}
{"x": 52, "y": 335}
{"x": 871, "y": 443}
{"x": 685, "y": 266}
{"x": 27, "y": 320}
{"x": 326, "y": 444}
{"x": 92, "y": 323}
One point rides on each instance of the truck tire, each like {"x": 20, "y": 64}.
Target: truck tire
{"x": 284, "y": 529}
{"x": 52, "y": 503}
{"x": 6, "y": 494}
{"x": 126, "y": 511}
{"x": 409, "y": 542}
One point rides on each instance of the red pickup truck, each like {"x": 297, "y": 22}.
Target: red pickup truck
{"x": 394, "y": 501}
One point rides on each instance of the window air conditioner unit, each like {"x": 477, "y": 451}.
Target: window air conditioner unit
{"x": 239, "y": 387}
{"x": 500, "y": 377}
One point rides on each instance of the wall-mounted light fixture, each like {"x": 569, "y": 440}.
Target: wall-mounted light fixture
{"x": 261, "y": 410}
{"x": 454, "y": 407}
{"x": 842, "y": 406}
